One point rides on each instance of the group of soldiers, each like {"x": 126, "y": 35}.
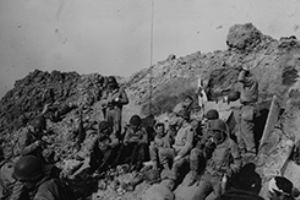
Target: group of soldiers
{"x": 212, "y": 151}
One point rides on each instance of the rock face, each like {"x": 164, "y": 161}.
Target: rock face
{"x": 276, "y": 65}
{"x": 244, "y": 37}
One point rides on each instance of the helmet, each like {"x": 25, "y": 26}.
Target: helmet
{"x": 212, "y": 114}
{"x": 103, "y": 125}
{"x": 234, "y": 95}
{"x": 135, "y": 120}
{"x": 112, "y": 81}
{"x": 281, "y": 184}
{"x": 217, "y": 125}
{"x": 28, "y": 168}
{"x": 39, "y": 123}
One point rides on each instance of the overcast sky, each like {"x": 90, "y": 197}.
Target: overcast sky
{"x": 113, "y": 36}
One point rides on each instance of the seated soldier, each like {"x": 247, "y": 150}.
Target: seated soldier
{"x": 34, "y": 183}
{"x": 178, "y": 155}
{"x": 203, "y": 147}
{"x": 30, "y": 142}
{"x": 161, "y": 141}
{"x": 104, "y": 148}
{"x": 219, "y": 165}
{"x": 135, "y": 144}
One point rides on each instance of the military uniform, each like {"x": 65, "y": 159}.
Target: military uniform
{"x": 181, "y": 148}
{"x": 157, "y": 146}
{"x": 218, "y": 166}
{"x": 52, "y": 189}
{"x": 26, "y": 144}
{"x": 134, "y": 150}
{"x": 103, "y": 152}
{"x": 248, "y": 99}
{"x": 113, "y": 103}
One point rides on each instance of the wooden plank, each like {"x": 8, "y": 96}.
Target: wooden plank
{"x": 271, "y": 121}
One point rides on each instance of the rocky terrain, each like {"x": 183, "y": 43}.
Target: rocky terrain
{"x": 274, "y": 62}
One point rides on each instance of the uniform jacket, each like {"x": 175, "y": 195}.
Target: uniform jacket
{"x": 139, "y": 136}
{"x": 219, "y": 163}
{"x": 26, "y": 144}
{"x": 184, "y": 140}
{"x": 249, "y": 89}
{"x": 109, "y": 98}
{"x": 52, "y": 189}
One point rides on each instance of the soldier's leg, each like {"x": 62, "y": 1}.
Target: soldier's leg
{"x": 177, "y": 165}
{"x": 204, "y": 189}
{"x": 248, "y": 137}
{"x": 216, "y": 193}
{"x": 141, "y": 155}
{"x": 238, "y": 133}
{"x": 117, "y": 118}
{"x": 153, "y": 155}
{"x": 196, "y": 158}
{"x": 247, "y": 129}
{"x": 166, "y": 155}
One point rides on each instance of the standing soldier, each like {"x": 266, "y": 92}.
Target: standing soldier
{"x": 219, "y": 164}
{"x": 248, "y": 99}
{"x": 113, "y": 100}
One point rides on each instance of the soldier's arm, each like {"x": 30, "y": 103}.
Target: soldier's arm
{"x": 25, "y": 147}
{"x": 188, "y": 144}
{"x": 127, "y": 136}
{"x": 48, "y": 192}
{"x": 19, "y": 192}
{"x": 114, "y": 140}
{"x": 242, "y": 76}
{"x": 236, "y": 165}
{"x": 247, "y": 81}
{"x": 144, "y": 139}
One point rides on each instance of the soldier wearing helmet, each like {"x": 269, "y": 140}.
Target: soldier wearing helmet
{"x": 135, "y": 144}
{"x": 104, "y": 148}
{"x": 30, "y": 141}
{"x": 113, "y": 100}
{"x": 248, "y": 99}
{"x": 219, "y": 165}
{"x": 202, "y": 149}
{"x": 30, "y": 173}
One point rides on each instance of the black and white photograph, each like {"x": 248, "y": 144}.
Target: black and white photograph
{"x": 149, "y": 100}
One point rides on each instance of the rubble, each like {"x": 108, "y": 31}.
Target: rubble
{"x": 275, "y": 64}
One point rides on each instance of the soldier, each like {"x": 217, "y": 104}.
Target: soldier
{"x": 161, "y": 141}
{"x": 104, "y": 148}
{"x": 179, "y": 153}
{"x": 30, "y": 142}
{"x": 134, "y": 149}
{"x": 219, "y": 164}
{"x": 203, "y": 147}
{"x": 114, "y": 98}
{"x": 248, "y": 99}
{"x": 36, "y": 183}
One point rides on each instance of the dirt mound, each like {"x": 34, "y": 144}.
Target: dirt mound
{"x": 276, "y": 65}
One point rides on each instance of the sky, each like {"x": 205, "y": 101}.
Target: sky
{"x": 112, "y": 37}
